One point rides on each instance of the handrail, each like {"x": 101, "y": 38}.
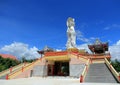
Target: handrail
{"x": 12, "y": 75}
{"x": 7, "y": 71}
{"x": 85, "y": 70}
{"x": 24, "y": 68}
{"x": 115, "y": 73}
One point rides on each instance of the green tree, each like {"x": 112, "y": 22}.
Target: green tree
{"x": 6, "y": 63}
{"x": 116, "y": 65}
{"x": 2, "y": 67}
{"x": 27, "y": 60}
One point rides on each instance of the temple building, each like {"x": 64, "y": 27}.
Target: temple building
{"x": 63, "y": 63}
{"x": 98, "y": 47}
{"x": 72, "y": 62}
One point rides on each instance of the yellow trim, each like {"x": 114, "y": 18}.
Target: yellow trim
{"x": 57, "y": 58}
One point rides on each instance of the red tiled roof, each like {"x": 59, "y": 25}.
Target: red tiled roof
{"x": 8, "y": 56}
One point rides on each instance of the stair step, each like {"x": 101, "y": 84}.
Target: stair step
{"x": 100, "y": 73}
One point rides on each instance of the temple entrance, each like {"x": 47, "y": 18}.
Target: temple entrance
{"x": 61, "y": 68}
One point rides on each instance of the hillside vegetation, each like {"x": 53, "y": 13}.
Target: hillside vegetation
{"x": 116, "y": 65}
{"x": 6, "y": 63}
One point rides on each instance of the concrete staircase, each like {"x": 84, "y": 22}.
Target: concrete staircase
{"x": 99, "y": 73}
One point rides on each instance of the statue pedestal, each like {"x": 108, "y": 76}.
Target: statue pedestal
{"x": 73, "y": 50}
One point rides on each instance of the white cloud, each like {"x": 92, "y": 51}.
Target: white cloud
{"x": 81, "y": 37}
{"x": 116, "y": 25}
{"x": 93, "y": 38}
{"x": 118, "y": 42}
{"x": 107, "y": 28}
{"x": 112, "y": 26}
{"x": 83, "y": 25}
{"x": 58, "y": 50}
{"x": 115, "y": 50}
{"x": 84, "y": 46}
{"x": 20, "y": 50}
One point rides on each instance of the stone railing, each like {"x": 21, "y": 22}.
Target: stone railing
{"x": 12, "y": 69}
{"x": 114, "y": 72}
{"x": 82, "y": 77}
{"x": 17, "y": 72}
{"x": 23, "y": 68}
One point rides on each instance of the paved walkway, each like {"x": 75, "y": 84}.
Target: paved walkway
{"x": 48, "y": 81}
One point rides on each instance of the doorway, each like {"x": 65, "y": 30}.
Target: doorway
{"x": 61, "y": 68}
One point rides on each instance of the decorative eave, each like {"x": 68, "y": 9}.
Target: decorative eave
{"x": 45, "y": 49}
{"x": 102, "y": 46}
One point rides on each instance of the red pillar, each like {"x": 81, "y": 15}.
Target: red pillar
{"x": 7, "y": 77}
{"x": 119, "y": 77}
{"x": 81, "y": 79}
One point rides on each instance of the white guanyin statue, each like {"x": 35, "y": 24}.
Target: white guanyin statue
{"x": 71, "y": 42}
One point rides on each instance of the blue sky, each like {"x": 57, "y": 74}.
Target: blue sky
{"x": 36, "y": 23}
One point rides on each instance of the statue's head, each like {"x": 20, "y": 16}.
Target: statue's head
{"x": 70, "y": 19}
{"x": 70, "y": 22}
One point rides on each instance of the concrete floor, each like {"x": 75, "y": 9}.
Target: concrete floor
{"x": 48, "y": 81}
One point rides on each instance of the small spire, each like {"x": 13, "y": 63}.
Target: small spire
{"x": 97, "y": 42}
